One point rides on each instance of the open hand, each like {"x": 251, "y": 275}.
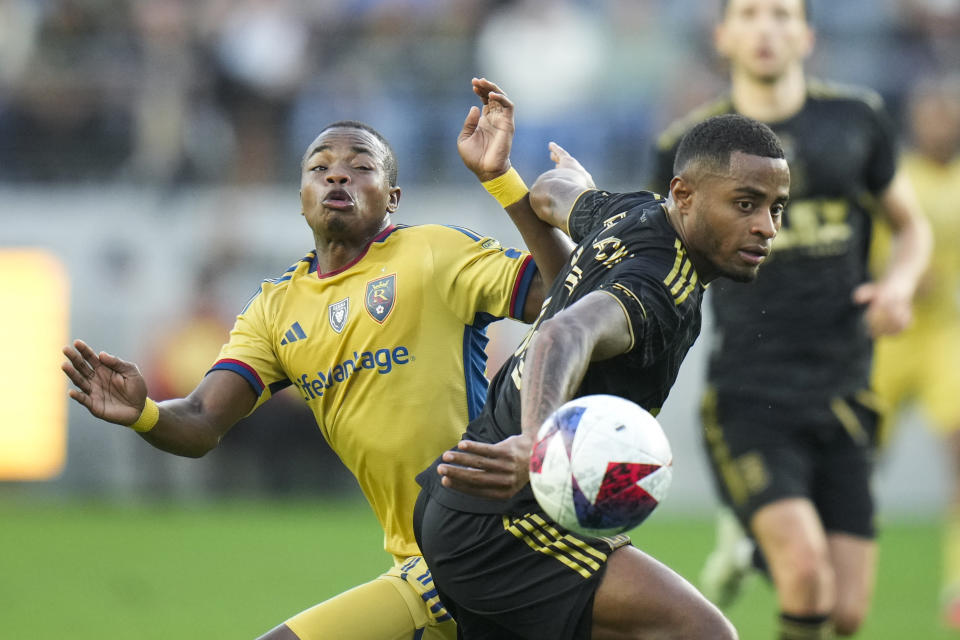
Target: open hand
{"x": 110, "y": 388}
{"x": 494, "y": 471}
{"x": 889, "y": 306}
{"x": 564, "y": 160}
{"x": 487, "y": 135}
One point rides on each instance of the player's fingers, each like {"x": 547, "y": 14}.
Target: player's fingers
{"x": 489, "y": 89}
{"x": 89, "y": 356}
{"x": 501, "y": 99}
{"x": 557, "y": 150}
{"x": 78, "y": 362}
{"x": 490, "y": 85}
{"x": 481, "y": 462}
{"x": 80, "y": 397}
{"x": 116, "y": 363}
{"x": 479, "y": 448}
{"x": 481, "y": 88}
{"x": 78, "y": 380}
{"x": 478, "y": 491}
{"x": 864, "y": 293}
{"x": 474, "y": 479}
{"x": 469, "y": 124}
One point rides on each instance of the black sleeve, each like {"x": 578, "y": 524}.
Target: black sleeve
{"x": 651, "y": 313}
{"x": 593, "y": 207}
{"x": 882, "y": 161}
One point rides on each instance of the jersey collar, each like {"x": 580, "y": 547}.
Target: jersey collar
{"x": 380, "y": 237}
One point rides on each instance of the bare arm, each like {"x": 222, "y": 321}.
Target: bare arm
{"x": 113, "y": 390}
{"x": 484, "y": 144}
{"x": 889, "y": 299}
{"x": 595, "y": 328}
{"x": 555, "y": 191}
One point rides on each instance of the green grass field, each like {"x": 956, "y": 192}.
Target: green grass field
{"x": 233, "y": 570}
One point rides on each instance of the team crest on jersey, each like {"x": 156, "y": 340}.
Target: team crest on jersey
{"x": 380, "y": 297}
{"x": 337, "y": 313}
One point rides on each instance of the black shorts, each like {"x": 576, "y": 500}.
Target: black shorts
{"x": 511, "y": 577}
{"x": 764, "y": 450}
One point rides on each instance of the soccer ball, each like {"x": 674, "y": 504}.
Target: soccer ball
{"x": 600, "y": 465}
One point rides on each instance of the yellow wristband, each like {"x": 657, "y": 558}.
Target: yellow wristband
{"x": 148, "y": 417}
{"x": 507, "y": 189}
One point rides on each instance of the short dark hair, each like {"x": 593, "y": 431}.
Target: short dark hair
{"x": 807, "y": 9}
{"x": 390, "y": 162}
{"x": 713, "y": 140}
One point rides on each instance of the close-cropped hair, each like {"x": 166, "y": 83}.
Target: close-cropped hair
{"x": 807, "y": 9}
{"x": 712, "y": 141}
{"x": 389, "y": 163}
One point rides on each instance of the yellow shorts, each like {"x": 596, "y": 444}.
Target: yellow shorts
{"x": 921, "y": 365}
{"x": 401, "y": 604}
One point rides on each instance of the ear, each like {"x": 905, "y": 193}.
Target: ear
{"x": 393, "y": 201}
{"x": 682, "y": 193}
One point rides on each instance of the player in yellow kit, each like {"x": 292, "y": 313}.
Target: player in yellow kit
{"x": 920, "y": 364}
{"x": 380, "y": 329}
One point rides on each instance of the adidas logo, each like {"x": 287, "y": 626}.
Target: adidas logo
{"x": 293, "y": 334}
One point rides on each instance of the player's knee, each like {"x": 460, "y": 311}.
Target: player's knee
{"x": 847, "y": 619}
{"x": 807, "y": 577}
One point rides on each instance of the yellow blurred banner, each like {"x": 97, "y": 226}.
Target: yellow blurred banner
{"x": 34, "y": 293}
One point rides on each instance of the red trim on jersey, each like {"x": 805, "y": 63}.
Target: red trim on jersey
{"x": 377, "y": 238}
{"x": 244, "y": 365}
{"x": 518, "y": 313}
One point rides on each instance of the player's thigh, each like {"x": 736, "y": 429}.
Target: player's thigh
{"x": 639, "y": 596}
{"x": 854, "y": 562}
{"x": 372, "y": 611}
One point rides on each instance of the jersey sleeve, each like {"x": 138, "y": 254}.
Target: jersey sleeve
{"x": 651, "y": 313}
{"x": 882, "y": 160}
{"x": 250, "y": 353}
{"x": 474, "y": 274}
{"x": 594, "y": 207}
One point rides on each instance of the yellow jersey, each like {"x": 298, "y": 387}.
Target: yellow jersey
{"x": 387, "y": 351}
{"x": 938, "y": 191}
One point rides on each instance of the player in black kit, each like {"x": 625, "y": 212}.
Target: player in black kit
{"x": 619, "y": 319}
{"x": 789, "y": 421}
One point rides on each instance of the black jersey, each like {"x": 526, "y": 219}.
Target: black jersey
{"x": 795, "y": 330}
{"x": 626, "y": 248}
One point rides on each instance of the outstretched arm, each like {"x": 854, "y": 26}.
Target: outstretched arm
{"x": 595, "y": 328}
{"x": 555, "y": 191}
{"x": 889, "y": 300}
{"x": 484, "y": 144}
{"x": 113, "y": 390}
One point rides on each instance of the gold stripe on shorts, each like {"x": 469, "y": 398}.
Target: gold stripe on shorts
{"x": 849, "y": 420}
{"x": 577, "y": 554}
{"x": 735, "y": 483}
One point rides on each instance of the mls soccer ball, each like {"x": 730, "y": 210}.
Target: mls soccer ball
{"x": 600, "y": 465}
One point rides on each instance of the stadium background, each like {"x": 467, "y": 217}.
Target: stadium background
{"x": 148, "y": 182}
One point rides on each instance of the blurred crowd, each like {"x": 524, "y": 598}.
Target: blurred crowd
{"x": 174, "y": 92}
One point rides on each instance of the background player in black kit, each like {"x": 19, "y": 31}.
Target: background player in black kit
{"x": 789, "y": 420}
{"x": 618, "y": 319}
